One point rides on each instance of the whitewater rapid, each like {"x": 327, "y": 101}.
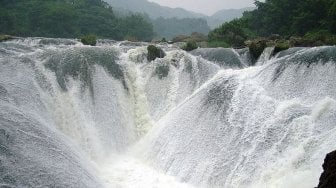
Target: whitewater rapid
{"x": 80, "y": 116}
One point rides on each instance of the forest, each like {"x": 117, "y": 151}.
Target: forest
{"x": 311, "y": 19}
{"x": 70, "y": 19}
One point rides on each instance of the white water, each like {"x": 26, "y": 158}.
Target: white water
{"x": 76, "y": 124}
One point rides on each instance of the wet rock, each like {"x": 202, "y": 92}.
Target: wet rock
{"x": 280, "y": 46}
{"x": 257, "y": 47}
{"x": 328, "y": 177}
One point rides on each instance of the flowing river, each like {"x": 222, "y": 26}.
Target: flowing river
{"x": 80, "y": 116}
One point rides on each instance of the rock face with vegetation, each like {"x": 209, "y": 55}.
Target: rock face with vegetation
{"x": 328, "y": 177}
{"x": 5, "y": 37}
{"x": 300, "y": 23}
{"x": 256, "y": 47}
{"x": 154, "y": 52}
{"x": 280, "y": 46}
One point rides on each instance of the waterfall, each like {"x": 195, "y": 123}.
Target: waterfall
{"x": 79, "y": 116}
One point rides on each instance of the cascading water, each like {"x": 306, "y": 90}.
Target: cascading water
{"x": 79, "y": 116}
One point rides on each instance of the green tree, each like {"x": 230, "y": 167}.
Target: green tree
{"x": 233, "y": 33}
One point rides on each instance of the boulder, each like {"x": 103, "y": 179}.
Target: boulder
{"x": 328, "y": 177}
{"x": 89, "y": 40}
{"x": 154, "y": 52}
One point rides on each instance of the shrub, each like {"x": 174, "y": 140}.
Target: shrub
{"x": 190, "y": 45}
{"x": 280, "y": 46}
{"x": 89, "y": 40}
{"x": 257, "y": 47}
{"x": 154, "y": 52}
{"x": 215, "y": 44}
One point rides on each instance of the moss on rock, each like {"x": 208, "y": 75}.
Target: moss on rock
{"x": 257, "y": 47}
{"x": 5, "y": 38}
{"x": 79, "y": 63}
{"x": 280, "y": 46}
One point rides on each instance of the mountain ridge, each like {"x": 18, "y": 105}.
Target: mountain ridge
{"x": 226, "y": 15}
{"x": 153, "y": 10}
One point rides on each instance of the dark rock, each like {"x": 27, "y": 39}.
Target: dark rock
{"x": 154, "y": 52}
{"x": 257, "y": 47}
{"x": 328, "y": 177}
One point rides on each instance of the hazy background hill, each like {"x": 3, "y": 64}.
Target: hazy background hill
{"x": 153, "y": 10}
{"x": 226, "y": 15}
{"x": 169, "y": 22}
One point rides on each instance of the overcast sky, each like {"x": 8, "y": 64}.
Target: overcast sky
{"x": 206, "y": 6}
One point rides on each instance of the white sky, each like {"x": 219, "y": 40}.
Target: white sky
{"x": 206, "y": 6}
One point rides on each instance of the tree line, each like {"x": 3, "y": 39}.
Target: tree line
{"x": 69, "y": 19}
{"x": 312, "y": 19}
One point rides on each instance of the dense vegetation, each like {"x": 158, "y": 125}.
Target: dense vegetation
{"x": 171, "y": 27}
{"x": 189, "y": 46}
{"x": 69, "y": 18}
{"x": 311, "y": 19}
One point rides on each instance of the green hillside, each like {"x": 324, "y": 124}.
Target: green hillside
{"x": 69, "y": 19}
{"x": 313, "y": 20}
